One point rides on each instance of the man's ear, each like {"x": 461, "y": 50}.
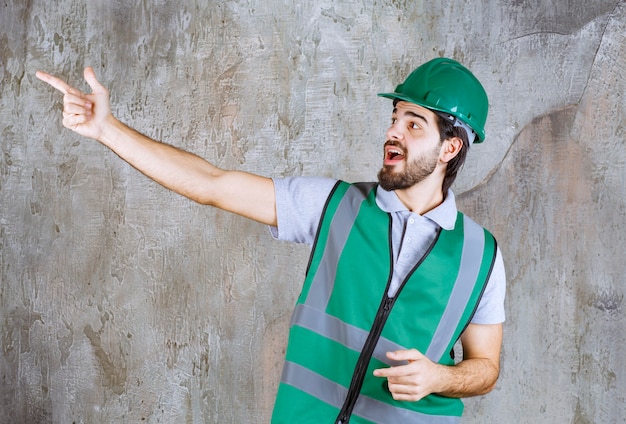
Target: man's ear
{"x": 450, "y": 148}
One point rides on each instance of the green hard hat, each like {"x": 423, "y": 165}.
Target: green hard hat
{"x": 444, "y": 85}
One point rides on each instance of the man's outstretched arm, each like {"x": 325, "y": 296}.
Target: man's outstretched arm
{"x": 475, "y": 375}
{"x": 90, "y": 115}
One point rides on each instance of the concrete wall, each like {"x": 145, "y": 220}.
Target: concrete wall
{"x": 122, "y": 302}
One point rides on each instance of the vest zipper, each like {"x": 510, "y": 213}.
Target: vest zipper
{"x": 372, "y": 338}
{"x": 364, "y": 359}
{"x": 370, "y": 343}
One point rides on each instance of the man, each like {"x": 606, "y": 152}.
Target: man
{"x": 396, "y": 276}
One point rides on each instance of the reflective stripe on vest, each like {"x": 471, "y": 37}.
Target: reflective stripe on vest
{"x": 341, "y": 225}
{"x": 473, "y": 245}
{"x": 371, "y": 409}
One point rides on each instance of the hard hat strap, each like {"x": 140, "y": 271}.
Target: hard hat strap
{"x": 471, "y": 135}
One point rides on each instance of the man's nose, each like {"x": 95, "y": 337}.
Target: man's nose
{"x": 394, "y": 132}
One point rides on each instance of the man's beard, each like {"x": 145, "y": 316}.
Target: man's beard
{"x": 415, "y": 172}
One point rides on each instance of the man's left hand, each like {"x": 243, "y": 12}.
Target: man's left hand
{"x": 413, "y": 381}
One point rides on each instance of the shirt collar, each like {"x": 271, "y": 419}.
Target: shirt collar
{"x": 443, "y": 215}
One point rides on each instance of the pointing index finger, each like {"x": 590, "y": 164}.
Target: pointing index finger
{"x": 53, "y": 81}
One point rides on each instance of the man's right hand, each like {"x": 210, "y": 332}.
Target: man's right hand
{"x": 245, "y": 194}
{"x": 87, "y": 114}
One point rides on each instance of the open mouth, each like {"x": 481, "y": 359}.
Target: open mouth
{"x": 393, "y": 154}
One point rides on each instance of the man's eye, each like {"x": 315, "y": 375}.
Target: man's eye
{"x": 414, "y": 126}
{"x": 394, "y": 120}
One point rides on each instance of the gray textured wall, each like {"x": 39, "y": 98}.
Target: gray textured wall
{"x": 122, "y": 302}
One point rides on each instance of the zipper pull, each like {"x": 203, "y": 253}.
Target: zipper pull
{"x": 387, "y": 305}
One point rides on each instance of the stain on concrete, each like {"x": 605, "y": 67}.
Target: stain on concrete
{"x": 112, "y": 363}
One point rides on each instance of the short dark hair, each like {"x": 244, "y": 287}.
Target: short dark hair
{"x": 448, "y": 130}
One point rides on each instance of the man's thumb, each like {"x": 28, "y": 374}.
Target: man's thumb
{"x": 90, "y": 77}
{"x": 405, "y": 355}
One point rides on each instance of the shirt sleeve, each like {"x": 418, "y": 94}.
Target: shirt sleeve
{"x": 491, "y": 307}
{"x": 299, "y": 205}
